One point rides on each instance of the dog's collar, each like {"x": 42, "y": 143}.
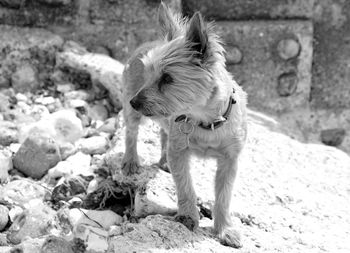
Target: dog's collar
{"x": 217, "y": 123}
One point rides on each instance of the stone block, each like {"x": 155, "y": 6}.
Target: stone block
{"x": 253, "y": 9}
{"x": 275, "y": 63}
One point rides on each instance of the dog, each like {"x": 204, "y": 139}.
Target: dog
{"x": 181, "y": 82}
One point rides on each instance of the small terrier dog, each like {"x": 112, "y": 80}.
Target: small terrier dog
{"x": 181, "y": 82}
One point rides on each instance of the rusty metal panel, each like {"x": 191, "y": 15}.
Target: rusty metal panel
{"x": 271, "y": 60}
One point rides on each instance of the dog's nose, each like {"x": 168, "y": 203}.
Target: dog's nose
{"x": 135, "y": 103}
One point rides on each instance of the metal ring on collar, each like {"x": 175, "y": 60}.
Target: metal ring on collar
{"x": 186, "y": 127}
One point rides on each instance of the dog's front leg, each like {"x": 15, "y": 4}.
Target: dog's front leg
{"x": 225, "y": 177}
{"x": 178, "y": 161}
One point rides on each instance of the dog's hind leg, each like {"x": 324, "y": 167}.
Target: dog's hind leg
{"x": 225, "y": 176}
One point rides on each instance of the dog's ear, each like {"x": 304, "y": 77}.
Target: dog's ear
{"x": 168, "y": 22}
{"x": 197, "y": 35}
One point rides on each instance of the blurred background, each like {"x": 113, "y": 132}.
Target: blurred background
{"x": 291, "y": 56}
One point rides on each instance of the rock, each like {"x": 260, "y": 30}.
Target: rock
{"x": 67, "y": 125}
{"x": 98, "y": 112}
{"x": 158, "y": 234}
{"x": 4, "y": 81}
{"x": 94, "y": 218}
{"x": 79, "y": 104}
{"x": 4, "y": 102}
{"x": 37, "y": 155}
{"x": 157, "y": 196}
{"x": 14, "y": 212}
{"x": 13, "y": 191}
{"x": 3, "y": 242}
{"x": 103, "y": 69}
{"x": 21, "y": 97}
{"x": 38, "y": 112}
{"x": 45, "y": 100}
{"x": 77, "y": 164}
{"x": 8, "y": 133}
{"x": 333, "y": 137}
{"x": 54, "y": 244}
{"x": 5, "y": 165}
{"x": 63, "y": 126}
{"x": 109, "y": 126}
{"x": 25, "y": 79}
{"x": 67, "y": 149}
{"x": 68, "y": 188}
{"x": 37, "y": 220}
{"x": 29, "y": 245}
{"x": 93, "y": 145}
{"x": 64, "y": 87}
{"x": 78, "y": 94}
{"x": 95, "y": 239}
{"x": 4, "y": 217}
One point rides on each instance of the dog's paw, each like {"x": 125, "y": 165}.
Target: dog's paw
{"x": 230, "y": 237}
{"x": 130, "y": 168}
{"x": 187, "y": 221}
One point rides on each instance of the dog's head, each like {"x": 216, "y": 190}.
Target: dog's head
{"x": 179, "y": 72}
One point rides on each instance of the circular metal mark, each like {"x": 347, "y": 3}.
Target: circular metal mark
{"x": 333, "y": 137}
{"x": 287, "y": 84}
{"x": 234, "y": 55}
{"x": 288, "y": 48}
{"x": 186, "y": 127}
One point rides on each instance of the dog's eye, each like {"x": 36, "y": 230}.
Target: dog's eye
{"x": 165, "y": 79}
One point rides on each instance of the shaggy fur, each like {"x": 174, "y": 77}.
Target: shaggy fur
{"x": 184, "y": 72}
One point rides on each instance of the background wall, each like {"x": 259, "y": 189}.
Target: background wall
{"x": 292, "y": 57}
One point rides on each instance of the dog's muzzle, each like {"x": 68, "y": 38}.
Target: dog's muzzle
{"x": 136, "y": 103}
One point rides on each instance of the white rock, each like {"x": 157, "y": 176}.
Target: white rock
{"x": 25, "y": 78}
{"x": 96, "y": 239}
{"x": 13, "y": 191}
{"x": 45, "y": 100}
{"x": 93, "y": 186}
{"x": 98, "y": 112}
{"x": 157, "y": 196}
{"x": 94, "y": 218}
{"x": 37, "y": 220}
{"x": 77, "y": 103}
{"x": 5, "y": 165}
{"x": 109, "y": 126}
{"x": 14, "y": 212}
{"x": 93, "y": 145}
{"x": 63, "y": 126}
{"x": 14, "y": 147}
{"x": 21, "y": 97}
{"x": 64, "y": 87}
{"x": 79, "y": 163}
{"x": 103, "y": 69}
{"x": 67, "y": 125}
{"x": 4, "y": 217}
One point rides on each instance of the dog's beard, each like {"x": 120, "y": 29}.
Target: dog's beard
{"x": 155, "y": 111}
